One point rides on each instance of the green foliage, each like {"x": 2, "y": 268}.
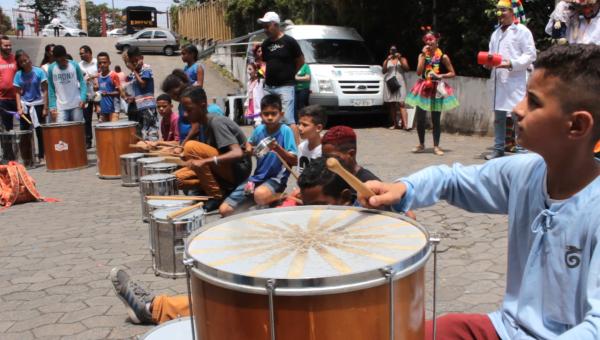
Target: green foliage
{"x": 5, "y": 24}
{"x": 94, "y": 17}
{"x": 47, "y": 9}
{"x": 465, "y": 25}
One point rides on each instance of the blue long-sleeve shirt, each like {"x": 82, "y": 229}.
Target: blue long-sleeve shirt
{"x": 553, "y": 277}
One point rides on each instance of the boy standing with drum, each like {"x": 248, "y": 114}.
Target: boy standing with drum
{"x": 552, "y": 198}
{"x": 109, "y": 86}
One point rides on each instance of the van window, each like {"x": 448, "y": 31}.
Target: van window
{"x": 336, "y": 51}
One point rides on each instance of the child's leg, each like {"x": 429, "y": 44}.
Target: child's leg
{"x": 268, "y": 192}
{"x": 234, "y": 199}
{"x": 421, "y": 117}
{"x": 437, "y": 129}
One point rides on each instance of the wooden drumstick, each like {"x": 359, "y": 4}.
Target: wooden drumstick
{"x": 179, "y": 198}
{"x": 334, "y": 166}
{"x": 175, "y": 160}
{"x": 140, "y": 138}
{"x": 285, "y": 164}
{"x": 184, "y": 211}
{"x": 26, "y": 119}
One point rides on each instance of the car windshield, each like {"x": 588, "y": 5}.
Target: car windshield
{"x": 336, "y": 51}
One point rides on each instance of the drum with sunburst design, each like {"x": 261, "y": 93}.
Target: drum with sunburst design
{"x": 326, "y": 273}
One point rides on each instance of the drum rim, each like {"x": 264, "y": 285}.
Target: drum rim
{"x": 61, "y": 124}
{"x": 115, "y": 125}
{"x": 148, "y": 202}
{"x": 134, "y": 155}
{"x": 147, "y": 160}
{"x": 167, "y": 177}
{"x": 161, "y": 165}
{"x": 185, "y": 319}
{"x": 179, "y": 220}
{"x": 309, "y": 286}
{"x": 16, "y": 132}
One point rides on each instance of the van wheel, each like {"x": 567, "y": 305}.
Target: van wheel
{"x": 82, "y": 34}
{"x": 169, "y": 51}
{"x": 68, "y": 35}
{"x": 125, "y": 48}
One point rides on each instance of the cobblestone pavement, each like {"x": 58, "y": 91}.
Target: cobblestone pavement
{"x": 55, "y": 257}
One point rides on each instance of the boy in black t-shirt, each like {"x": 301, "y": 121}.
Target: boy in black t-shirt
{"x": 283, "y": 57}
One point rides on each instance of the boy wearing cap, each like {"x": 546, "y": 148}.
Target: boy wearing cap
{"x": 514, "y": 42}
{"x": 284, "y": 58}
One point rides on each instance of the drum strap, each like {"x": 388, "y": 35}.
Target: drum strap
{"x": 17, "y": 186}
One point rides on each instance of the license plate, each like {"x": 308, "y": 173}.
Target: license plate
{"x": 362, "y": 102}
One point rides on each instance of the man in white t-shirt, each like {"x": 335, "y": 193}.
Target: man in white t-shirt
{"x": 89, "y": 67}
{"x": 311, "y": 122}
{"x": 67, "y": 92}
{"x": 56, "y": 25}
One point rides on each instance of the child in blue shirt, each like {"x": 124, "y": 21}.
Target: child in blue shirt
{"x": 142, "y": 84}
{"x": 193, "y": 69}
{"x": 270, "y": 176}
{"x": 109, "y": 86}
{"x": 552, "y": 199}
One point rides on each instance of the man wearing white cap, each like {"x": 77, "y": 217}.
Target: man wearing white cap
{"x": 284, "y": 58}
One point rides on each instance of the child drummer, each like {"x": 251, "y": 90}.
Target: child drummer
{"x": 552, "y": 199}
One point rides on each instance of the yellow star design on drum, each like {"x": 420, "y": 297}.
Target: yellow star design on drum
{"x": 315, "y": 242}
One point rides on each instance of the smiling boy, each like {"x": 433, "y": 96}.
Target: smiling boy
{"x": 551, "y": 197}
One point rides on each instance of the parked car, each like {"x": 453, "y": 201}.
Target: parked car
{"x": 65, "y": 31}
{"x": 345, "y": 79}
{"x": 117, "y": 32}
{"x": 151, "y": 40}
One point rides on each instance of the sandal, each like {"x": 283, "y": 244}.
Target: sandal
{"x": 418, "y": 149}
{"x": 438, "y": 151}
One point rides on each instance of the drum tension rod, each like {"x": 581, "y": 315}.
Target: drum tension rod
{"x": 188, "y": 263}
{"x": 271, "y": 292}
{"x": 389, "y": 273}
{"x": 435, "y": 239}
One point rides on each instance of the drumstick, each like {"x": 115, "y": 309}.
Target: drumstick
{"x": 26, "y": 119}
{"x": 334, "y": 166}
{"x": 184, "y": 211}
{"x": 179, "y": 198}
{"x": 285, "y": 164}
{"x": 175, "y": 160}
{"x": 140, "y": 138}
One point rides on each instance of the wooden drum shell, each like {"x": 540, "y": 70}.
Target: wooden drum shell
{"x": 111, "y": 143}
{"x": 72, "y": 135}
{"x": 221, "y": 313}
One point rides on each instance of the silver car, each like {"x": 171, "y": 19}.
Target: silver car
{"x": 151, "y": 40}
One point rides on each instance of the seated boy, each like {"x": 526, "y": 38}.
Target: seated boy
{"x": 270, "y": 176}
{"x": 169, "y": 123}
{"x": 317, "y": 184}
{"x": 312, "y": 121}
{"x": 552, "y": 199}
{"x": 109, "y": 86}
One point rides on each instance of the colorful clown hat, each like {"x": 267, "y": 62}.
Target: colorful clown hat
{"x": 517, "y": 8}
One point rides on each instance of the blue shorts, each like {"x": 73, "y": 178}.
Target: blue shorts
{"x": 238, "y": 195}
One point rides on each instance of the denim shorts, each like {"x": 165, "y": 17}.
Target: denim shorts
{"x": 238, "y": 196}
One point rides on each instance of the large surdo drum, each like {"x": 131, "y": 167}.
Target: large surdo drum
{"x": 326, "y": 273}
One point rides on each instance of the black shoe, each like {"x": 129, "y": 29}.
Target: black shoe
{"x": 495, "y": 154}
{"x": 212, "y": 204}
{"x": 133, "y": 296}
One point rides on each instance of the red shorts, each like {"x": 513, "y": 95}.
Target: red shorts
{"x": 462, "y": 327}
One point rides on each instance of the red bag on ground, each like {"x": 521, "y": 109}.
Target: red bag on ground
{"x": 17, "y": 186}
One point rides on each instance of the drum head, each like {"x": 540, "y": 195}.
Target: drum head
{"x": 54, "y": 125}
{"x": 115, "y": 125}
{"x": 308, "y": 250}
{"x": 162, "y": 166}
{"x": 133, "y": 155}
{"x": 149, "y": 160}
{"x": 161, "y": 214}
{"x": 156, "y": 178}
{"x": 180, "y": 329}
{"x": 162, "y": 204}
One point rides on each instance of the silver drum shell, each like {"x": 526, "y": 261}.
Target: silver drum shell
{"x": 158, "y": 185}
{"x": 159, "y": 168}
{"x": 142, "y": 162}
{"x": 129, "y": 171}
{"x": 18, "y": 146}
{"x": 169, "y": 241}
{"x": 159, "y": 205}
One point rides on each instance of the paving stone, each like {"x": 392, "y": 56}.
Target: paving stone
{"x": 48, "y": 284}
{"x": 58, "y": 329}
{"x": 4, "y": 325}
{"x": 18, "y": 336}
{"x": 83, "y": 314}
{"x": 18, "y": 315}
{"x": 90, "y": 334}
{"x": 63, "y": 307}
{"x": 44, "y": 319}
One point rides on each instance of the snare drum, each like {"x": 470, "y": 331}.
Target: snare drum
{"x": 157, "y": 184}
{"x": 112, "y": 141}
{"x": 18, "y": 146}
{"x": 179, "y": 329}
{"x": 315, "y": 272}
{"x": 163, "y": 204}
{"x": 168, "y": 240}
{"x": 64, "y": 146}
{"x": 142, "y": 162}
{"x": 129, "y": 172}
{"x": 159, "y": 168}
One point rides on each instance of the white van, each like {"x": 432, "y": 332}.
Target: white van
{"x": 345, "y": 78}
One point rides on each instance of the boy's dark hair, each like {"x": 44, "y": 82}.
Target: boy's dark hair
{"x": 341, "y": 136}
{"x": 86, "y": 49}
{"x": 4, "y": 37}
{"x": 195, "y": 93}
{"x": 117, "y": 68}
{"x": 164, "y": 97}
{"x": 18, "y": 55}
{"x": 59, "y": 51}
{"x": 47, "y": 49}
{"x": 315, "y": 112}
{"x": 174, "y": 80}
{"x": 191, "y": 49}
{"x": 578, "y": 68}
{"x": 273, "y": 100}
{"x": 103, "y": 54}
{"x": 134, "y": 51}
{"x": 317, "y": 174}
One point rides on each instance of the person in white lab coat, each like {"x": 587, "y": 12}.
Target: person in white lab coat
{"x": 583, "y": 24}
{"x": 514, "y": 42}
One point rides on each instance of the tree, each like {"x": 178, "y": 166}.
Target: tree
{"x": 47, "y": 9}
{"x": 94, "y": 17}
{"x": 5, "y": 24}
